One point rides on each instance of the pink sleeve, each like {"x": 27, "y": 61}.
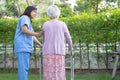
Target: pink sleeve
{"x": 43, "y": 27}
{"x": 68, "y": 37}
{"x": 43, "y": 37}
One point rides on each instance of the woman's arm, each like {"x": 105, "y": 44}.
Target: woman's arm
{"x": 69, "y": 41}
{"x": 68, "y": 37}
{"x": 28, "y": 32}
{"x": 37, "y": 41}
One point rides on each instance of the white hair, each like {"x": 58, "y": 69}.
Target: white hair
{"x": 53, "y": 11}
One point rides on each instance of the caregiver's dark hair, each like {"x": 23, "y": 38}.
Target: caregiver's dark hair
{"x": 28, "y": 10}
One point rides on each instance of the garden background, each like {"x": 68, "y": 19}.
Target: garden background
{"x": 94, "y": 26}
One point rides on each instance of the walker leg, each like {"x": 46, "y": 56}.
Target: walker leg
{"x": 115, "y": 66}
{"x": 72, "y": 66}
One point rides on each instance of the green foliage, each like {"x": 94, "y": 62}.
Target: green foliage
{"x": 7, "y": 24}
{"x": 92, "y": 28}
{"x": 66, "y": 11}
{"x": 11, "y": 9}
{"x": 85, "y": 28}
{"x": 7, "y": 30}
{"x": 87, "y": 5}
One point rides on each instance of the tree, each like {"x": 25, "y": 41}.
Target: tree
{"x": 11, "y": 9}
{"x": 66, "y": 11}
{"x": 87, "y": 6}
{"x": 108, "y": 5}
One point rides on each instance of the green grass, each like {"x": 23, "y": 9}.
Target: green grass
{"x": 13, "y": 76}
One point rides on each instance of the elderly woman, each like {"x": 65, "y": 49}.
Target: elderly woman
{"x": 55, "y": 33}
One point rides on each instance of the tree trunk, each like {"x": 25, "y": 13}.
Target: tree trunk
{"x": 118, "y": 3}
{"x": 19, "y": 10}
{"x": 27, "y": 2}
{"x": 96, "y": 10}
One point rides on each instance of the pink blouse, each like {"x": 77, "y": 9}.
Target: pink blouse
{"x": 55, "y": 36}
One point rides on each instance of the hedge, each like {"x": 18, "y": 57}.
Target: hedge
{"x": 86, "y": 28}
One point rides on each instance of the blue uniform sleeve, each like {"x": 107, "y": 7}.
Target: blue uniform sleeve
{"x": 24, "y": 21}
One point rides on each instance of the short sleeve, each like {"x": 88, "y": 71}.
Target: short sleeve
{"x": 24, "y": 20}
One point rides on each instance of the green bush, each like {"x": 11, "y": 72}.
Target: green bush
{"x": 86, "y": 28}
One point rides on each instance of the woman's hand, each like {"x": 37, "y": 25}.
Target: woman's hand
{"x": 37, "y": 41}
{"x": 40, "y": 33}
{"x": 41, "y": 45}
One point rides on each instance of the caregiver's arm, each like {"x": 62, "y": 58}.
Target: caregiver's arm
{"x": 28, "y": 32}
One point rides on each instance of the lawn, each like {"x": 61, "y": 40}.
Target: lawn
{"x": 13, "y": 76}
